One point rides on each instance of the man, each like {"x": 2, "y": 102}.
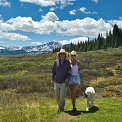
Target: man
{"x": 60, "y": 77}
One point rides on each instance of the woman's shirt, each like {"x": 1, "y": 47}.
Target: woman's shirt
{"x": 74, "y": 69}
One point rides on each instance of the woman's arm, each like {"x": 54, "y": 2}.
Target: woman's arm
{"x": 79, "y": 65}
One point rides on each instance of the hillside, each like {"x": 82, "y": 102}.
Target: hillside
{"x": 26, "y": 94}
{"x": 32, "y": 73}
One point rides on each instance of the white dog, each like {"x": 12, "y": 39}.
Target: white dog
{"x": 89, "y": 93}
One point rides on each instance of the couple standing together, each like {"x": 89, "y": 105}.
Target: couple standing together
{"x": 65, "y": 72}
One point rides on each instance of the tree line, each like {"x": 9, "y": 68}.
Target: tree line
{"x": 113, "y": 39}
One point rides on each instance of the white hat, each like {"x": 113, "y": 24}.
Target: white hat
{"x": 62, "y": 51}
{"x": 73, "y": 53}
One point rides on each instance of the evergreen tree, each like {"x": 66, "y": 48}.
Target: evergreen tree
{"x": 115, "y": 35}
{"x": 78, "y": 46}
{"x": 120, "y": 41}
{"x": 88, "y": 45}
{"x": 85, "y": 46}
{"x": 98, "y": 42}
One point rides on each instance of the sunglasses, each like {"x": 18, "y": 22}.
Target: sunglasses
{"x": 62, "y": 53}
{"x": 73, "y": 55}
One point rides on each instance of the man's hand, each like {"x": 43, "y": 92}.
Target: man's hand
{"x": 52, "y": 81}
{"x": 67, "y": 82}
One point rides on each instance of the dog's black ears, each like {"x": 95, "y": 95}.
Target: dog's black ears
{"x": 85, "y": 95}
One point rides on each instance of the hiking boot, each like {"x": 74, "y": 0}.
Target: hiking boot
{"x": 74, "y": 109}
{"x": 60, "y": 110}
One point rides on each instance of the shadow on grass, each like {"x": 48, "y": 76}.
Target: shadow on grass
{"x": 76, "y": 113}
{"x": 91, "y": 110}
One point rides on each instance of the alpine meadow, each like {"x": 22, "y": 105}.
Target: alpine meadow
{"x": 27, "y": 95}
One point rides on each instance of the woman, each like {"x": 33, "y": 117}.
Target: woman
{"x": 60, "y": 76}
{"x": 74, "y": 81}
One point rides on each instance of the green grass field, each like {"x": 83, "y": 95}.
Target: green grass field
{"x": 26, "y": 94}
{"x": 35, "y": 108}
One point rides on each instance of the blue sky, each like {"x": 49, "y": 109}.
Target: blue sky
{"x": 34, "y": 22}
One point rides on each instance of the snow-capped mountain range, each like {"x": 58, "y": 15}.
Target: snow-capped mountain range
{"x": 46, "y": 47}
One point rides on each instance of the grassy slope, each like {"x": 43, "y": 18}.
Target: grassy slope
{"x": 32, "y": 73}
{"x": 103, "y": 70}
{"x": 26, "y": 92}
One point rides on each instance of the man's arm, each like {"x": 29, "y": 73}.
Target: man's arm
{"x": 69, "y": 71}
{"x": 54, "y": 71}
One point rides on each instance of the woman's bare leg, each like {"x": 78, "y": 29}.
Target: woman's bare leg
{"x": 73, "y": 90}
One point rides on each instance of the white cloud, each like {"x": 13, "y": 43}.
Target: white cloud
{"x": 95, "y": 1}
{"x": 118, "y": 22}
{"x": 52, "y": 9}
{"x": 50, "y": 23}
{"x": 72, "y": 12}
{"x": 86, "y": 27}
{"x": 94, "y": 12}
{"x": 74, "y": 40}
{"x": 63, "y": 42}
{"x": 84, "y": 10}
{"x": 5, "y": 3}
{"x": 65, "y": 3}
{"x": 4, "y": 26}
{"x": 50, "y": 16}
{"x": 13, "y": 36}
{"x": 37, "y": 43}
{"x": 26, "y": 24}
{"x": 22, "y": 23}
{"x": 46, "y": 3}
